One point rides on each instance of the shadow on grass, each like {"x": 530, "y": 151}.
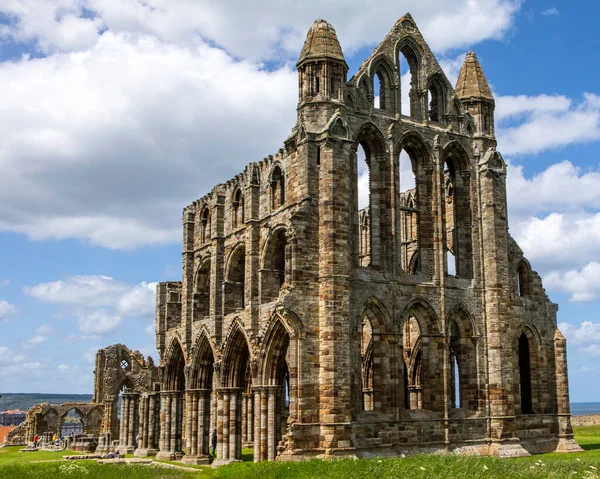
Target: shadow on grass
{"x": 247, "y": 455}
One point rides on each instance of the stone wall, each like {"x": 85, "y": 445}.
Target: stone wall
{"x": 588, "y": 420}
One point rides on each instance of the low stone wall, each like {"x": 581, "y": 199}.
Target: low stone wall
{"x": 589, "y": 420}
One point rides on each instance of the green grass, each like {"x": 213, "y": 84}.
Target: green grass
{"x": 549, "y": 466}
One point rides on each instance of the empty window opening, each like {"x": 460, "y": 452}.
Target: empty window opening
{"x": 205, "y": 225}
{"x": 411, "y": 342}
{"x": 408, "y": 86}
{"x": 364, "y": 205}
{"x": 277, "y": 188}
{"x": 274, "y": 271}
{"x": 238, "y": 209}
{"x": 436, "y": 102}
{"x": 318, "y": 156}
{"x": 409, "y": 213}
{"x": 451, "y": 261}
{"x": 333, "y": 86}
{"x": 234, "y": 284}
{"x": 72, "y": 424}
{"x": 366, "y": 352}
{"x": 523, "y": 279}
{"x": 202, "y": 294}
{"x": 525, "y": 375}
{"x": 377, "y": 90}
{"x": 455, "y": 380}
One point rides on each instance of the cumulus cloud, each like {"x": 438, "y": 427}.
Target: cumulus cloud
{"x": 583, "y": 285}
{"x": 41, "y": 334}
{"x": 262, "y": 29}
{"x": 8, "y": 357}
{"x": 7, "y": 311}
{"x": 585, "y": 337}
{"x": 546, "y": 122}
{"x": 98, "y": 322}
{"x": 130, "y": 113}
{"x": 99, "y": 303}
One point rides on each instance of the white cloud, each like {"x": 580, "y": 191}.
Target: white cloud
{"x": 145, "y": 126}
{"x": 41, "y": 334}
{"x": 132, "y": 103}
{"x": 98, "y": 322}
{"x": 7, "y": 311}
{"x": 5, "y": 282}
{"x": 585, "y": 338}
{"x": 90, "y": 355}
{"x": 546, "y": 122}
{"x": 99, "y": 303}
{"x": 150, "y": 329}
{"x": 552, "y": 11}
{"x": 583, "y": 284}
{"x": 559, "y": 240}
{"x": 9, "y": 357}
{"x": 138, "y": 301}
{"x": 92, "y": 291}
{"x": 258, "y": 30}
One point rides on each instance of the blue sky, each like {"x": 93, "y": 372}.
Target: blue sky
{"x": 115, "y": 115}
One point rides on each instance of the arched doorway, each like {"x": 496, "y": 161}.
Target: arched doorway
{"x": 234, "y": 375}
{"x": 172, "y": 404}
{"x": 72, "y": 423}
{"x": 198, "y": 398}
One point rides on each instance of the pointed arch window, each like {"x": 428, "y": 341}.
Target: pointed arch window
{"x": 277, "y": 188}
{"x": 205, "y": 225}
{"x": 525, "y": 375}
{"x": 523, "y": 283}
{"x": 238, "y": 208}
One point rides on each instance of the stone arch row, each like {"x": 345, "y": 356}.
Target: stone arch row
{"x": 49, "y": 420}
{"x": 275, "y": 270}
{"x": 413, "y": 222}
{"x": 236, "y": 201}
{"x": 244, "y": 390}
{"x": 431, "y": 96}
{"x": 430, "y": 363}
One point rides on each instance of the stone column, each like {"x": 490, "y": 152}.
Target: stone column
{"x": 272, "y": 423}
{"x": 256, "y": 423}
{"x": 264, "y": 411}
{"x": 166, "y": 420}
{"x": 197, "y": 427}
{"x": 566, "y": 443}
{"x": 244, "y": 415}
{"x": 226, "y": 424}
{"x": 143, "y": 423}
{"x": 233, "y": 423}
{"x": 250, "y": 418}
{"x": 122, "y": 421}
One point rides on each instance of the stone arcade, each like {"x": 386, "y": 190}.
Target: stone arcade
{"x": 308, "y": 324}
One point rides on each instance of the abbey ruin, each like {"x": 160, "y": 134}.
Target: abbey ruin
{"x": 319, "y": 316}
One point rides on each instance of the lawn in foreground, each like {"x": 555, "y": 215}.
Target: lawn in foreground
{"x": 580, "y": 465}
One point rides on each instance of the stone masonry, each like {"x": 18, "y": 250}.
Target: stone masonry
{"x": 304, "y": 326}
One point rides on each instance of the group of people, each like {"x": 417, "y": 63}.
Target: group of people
{"x": 55, "y": 440}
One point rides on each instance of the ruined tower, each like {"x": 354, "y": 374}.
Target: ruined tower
{"x": 325, "y": 309}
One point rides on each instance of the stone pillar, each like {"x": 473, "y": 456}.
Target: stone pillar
{"x": 197, "y": 427}
{"x": 226, "y": 420}
{"x": 244, "y": 415}
{"x": 168, "y": 423}
{"x": 566, "y": 443}
{"x": 272, "y": 423}
{"x": 122, "y": 421}
{"x": 233, "y": 423}
{"x": 264, "y": 412}
{"x": 256, "y": 423}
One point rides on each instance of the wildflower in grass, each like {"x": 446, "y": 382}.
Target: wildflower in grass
{"x": 485, "y": 468}
{"x": 592, "y": 467}
{"x": 422, "y": 468}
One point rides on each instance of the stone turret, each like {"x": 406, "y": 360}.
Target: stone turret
{"x": 322, "y": 67}
{"x": 473, "y": 90}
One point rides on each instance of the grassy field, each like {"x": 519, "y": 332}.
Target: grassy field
{"x": 42, "y": 465}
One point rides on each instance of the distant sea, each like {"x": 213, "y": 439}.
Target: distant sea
{"x": 584, "y": 408}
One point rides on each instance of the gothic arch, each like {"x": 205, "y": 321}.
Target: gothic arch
{"x": 236, "y": 356}
{"x": 437, "y": 88}
{"x": 457, "y": 208}
{"x": 202, "y": 363}
{"x": 372, "y": 136}
{"x": 530, "y": 376}
{"x": 464, "y": 372}
{"x": 373, "y": 358}
{"x": 174, "y": 372}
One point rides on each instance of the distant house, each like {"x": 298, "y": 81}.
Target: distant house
{"x": 12, "y": 417}
{"x": 4, "y": 430}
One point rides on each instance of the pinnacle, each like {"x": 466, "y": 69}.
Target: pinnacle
{"x": 471, "y": 80}
{"x": 321, "y": 43}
